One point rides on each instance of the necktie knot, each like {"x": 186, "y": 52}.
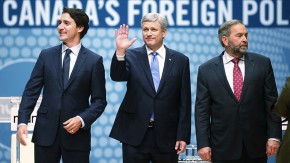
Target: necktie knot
{"x": 67, "y": 52}
{"x": 236, "y": 60}
{"x": 154, "y": 54}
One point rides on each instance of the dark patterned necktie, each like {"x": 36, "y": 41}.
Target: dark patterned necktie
{"x": 238, "y": 79}
{"x": 65, "y": 68}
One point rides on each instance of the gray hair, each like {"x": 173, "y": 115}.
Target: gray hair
{"x": 225, "y": 29}
{"x": 152, "y": 17}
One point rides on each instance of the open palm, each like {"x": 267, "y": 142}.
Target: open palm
{"x": 122, "y": 41}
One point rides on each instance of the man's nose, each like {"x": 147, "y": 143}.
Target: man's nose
{"x": 60, "y": 26}
{"x": 245, "y": 38}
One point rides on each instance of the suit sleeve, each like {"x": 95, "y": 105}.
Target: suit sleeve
{"x": 184, "y": 129}
{"x": 270, "y": 89}
{"x": 98, "y": 95}
{"x": 32, "y": 91}
{"x": 119, "y": 69}
{"x": 202, "y": 111}
{"x": 282, "y": 105}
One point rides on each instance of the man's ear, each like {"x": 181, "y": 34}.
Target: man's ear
{"x": 80, "y": 29}
{"x": 225, "y": 40}
{"x": 164, "y": 32}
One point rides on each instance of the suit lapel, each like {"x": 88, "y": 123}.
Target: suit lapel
{"x": 249, "y": 67}
{"x": 220, "y": 71}
{"x": 57, "y": 63}
{"x": 143, "y": 59}
{"x": 79, "y": 63}
{"x": 168, "y": 63}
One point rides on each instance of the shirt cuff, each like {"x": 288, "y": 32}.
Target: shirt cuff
{"x": 275, "y": 139}
{"x": 83, "y": 123}
{"x": 21, "y": 124}
{"x": 121, "y": 57}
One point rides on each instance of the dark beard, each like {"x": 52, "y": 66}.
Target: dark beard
{"x": 237, "y": 50}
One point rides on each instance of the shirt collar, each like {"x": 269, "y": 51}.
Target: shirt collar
{"x": 228, "y": 58}
{"x": 160, "y": 51}
{"x": 75, "y": 50}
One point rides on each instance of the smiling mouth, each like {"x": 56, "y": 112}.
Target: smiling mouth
{"x": 149, "y": 39}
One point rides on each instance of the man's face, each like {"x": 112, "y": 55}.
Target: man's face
{"x": 153, "y": 34}
{"x": 69, "y": 33}
{"x": 237, "y": 42}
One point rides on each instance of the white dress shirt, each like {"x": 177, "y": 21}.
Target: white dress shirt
{"x": 73, "y": 55}
{"x": 161, "y": 57}
{"x": 229, "y": 66}
{"x": 73, "y": 58}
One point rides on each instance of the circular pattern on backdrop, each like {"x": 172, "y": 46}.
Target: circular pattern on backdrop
{"x": 198, "y": 44}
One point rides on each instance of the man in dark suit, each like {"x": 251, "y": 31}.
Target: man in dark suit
{"x": 233, "y": 117}
{"x": 282, "y": 108}
{"x": 73, "y": 97}
{"x": 154, "y": 120}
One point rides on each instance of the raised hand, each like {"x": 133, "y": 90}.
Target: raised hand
{"x": 122, "y": 41}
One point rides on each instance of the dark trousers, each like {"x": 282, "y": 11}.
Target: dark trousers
{"x": 245, "y": 159}
{"x": 147, "y": 152}
{"x": 54, "y": 153}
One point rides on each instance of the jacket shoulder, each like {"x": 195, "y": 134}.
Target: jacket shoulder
{"x": 176, "y": 53}
{"x": 253, "y": 55}
{"x": 91, "y": 53}
{"x": 211, "y": 61}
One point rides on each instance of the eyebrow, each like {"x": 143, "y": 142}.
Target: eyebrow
{"x": 66, "y": 21}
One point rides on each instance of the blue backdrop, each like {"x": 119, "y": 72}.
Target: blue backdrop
{"x": 193, "y": 25}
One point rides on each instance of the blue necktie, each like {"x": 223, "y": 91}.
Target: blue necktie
{"x": 155, "y": 70}
{"x": 155, "y": 74}
{"x": 65, "y": 67}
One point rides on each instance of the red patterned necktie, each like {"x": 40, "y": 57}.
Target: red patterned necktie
{"x": 238, "y": 79}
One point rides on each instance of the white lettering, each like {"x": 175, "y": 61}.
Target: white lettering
{"x": 225, "y": 11}
{"x": 92, "y": 12}
{"x": 42, "y": 13}
{"x": 200, "y": 13}
{"x": 195, "y": 12}
{"x": 57, "y": 10}
{"x": 180, "y": 12}
{"x": 26, "y": 14}
{"x": 263, "y": 11}
{"x": 207, "y": 17}
{"x": 167, "y": 8}
{"x": 132, "y": 11}
{"x": 6, "y": 13}
{"x": 147, "y": 5}
{"x": 249, "y": 8}
{"x": 279, "y": 9}
{"x": 74, "y": 4}
{"x": 115, "y": 19}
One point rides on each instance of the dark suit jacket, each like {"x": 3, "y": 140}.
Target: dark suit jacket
{"x": 171, "y": 104}
{"x": 222, "y": 122}
{"x": 282, "y": 107}
{"x": 84, "y": 95}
